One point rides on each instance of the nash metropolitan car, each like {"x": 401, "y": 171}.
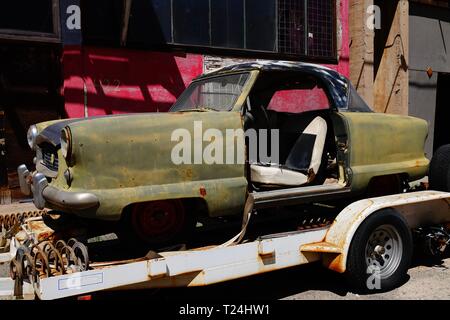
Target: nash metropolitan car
{"x": 288, "y": 133}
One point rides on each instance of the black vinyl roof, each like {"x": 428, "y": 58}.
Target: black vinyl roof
{"x": 274, "y": 65}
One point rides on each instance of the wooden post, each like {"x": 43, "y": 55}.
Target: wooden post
{"x": 3, "y": 168}
{"x": 391, "y": 85}
{"x": 361, "y": 49}
{"x": 125, "y": 21}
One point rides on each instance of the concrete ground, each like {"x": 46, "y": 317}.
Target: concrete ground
{"x": 425, "y": 282}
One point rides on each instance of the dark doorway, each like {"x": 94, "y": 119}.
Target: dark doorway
{"x": 30, "y": 92}
{"x": 441, "y": 125}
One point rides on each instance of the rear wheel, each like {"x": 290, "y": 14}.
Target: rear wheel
{"x": 439, "y": 175}
{"x": 380, "y": 253}
{"x": 156, "y": 224}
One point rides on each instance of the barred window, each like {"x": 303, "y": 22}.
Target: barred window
{"x": 35, "y": 16}
{"x": 29, "y": 20}
{"x": 291, "y": 26}
{"x": 321, "y": 28}
{"x": 283, "y": 28}
{"x": 307, "y": 21}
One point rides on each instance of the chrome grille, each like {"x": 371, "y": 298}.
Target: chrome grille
{"x": 50, "y": 159}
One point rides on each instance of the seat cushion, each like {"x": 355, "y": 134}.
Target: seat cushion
{"x": 307, "y": 152}
{"x": 274, "y": 175}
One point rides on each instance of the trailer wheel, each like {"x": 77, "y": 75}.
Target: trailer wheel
{"x": 380, "y": 253}
{"x": 439, "y": 175}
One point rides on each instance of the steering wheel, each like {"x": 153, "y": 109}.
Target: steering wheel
{"x": 266, "y": 116}
{"x": 249, "y": 118}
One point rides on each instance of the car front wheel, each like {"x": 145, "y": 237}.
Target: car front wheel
{"x": 156, "y": 224}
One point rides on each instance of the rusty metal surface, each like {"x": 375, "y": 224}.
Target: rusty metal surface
{"x": 47, "y": 263}
{"x": 126, "y": 159}
{"x": 384, "y": 144}
{"x": 136, "y": 166}
{"x": 44, "y": 259}
{"x": 17, "y": 212}
{"x": 185, "y": 268}
{"x": 418, "y": 208}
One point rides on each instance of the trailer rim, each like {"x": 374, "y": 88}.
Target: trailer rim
{"x": 384, "y": 250}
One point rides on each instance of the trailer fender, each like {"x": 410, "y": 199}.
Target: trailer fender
{"x": 418, "y": 208}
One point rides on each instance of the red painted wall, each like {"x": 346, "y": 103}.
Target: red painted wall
{"x": 122, "y": 81}
{"x": 344, "y": 51}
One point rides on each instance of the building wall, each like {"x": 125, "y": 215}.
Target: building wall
{"x": 343, "y": 38}
{"x": 102, "y": 81}
{"x": 429, "y": 48}
{"x": 99, "y": 81}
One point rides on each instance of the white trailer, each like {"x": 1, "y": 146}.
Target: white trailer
{"x": 370, "y": 240}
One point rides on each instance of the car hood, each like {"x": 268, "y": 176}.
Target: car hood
{"x": 139, "y": 149}
{"x": 52, "y": 133}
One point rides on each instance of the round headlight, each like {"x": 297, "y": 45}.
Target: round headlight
{"x": 66, "y": 143}
{"x": 31, "y": 137}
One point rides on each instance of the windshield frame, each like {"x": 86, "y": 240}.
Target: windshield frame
{"x": 239, "y": 101}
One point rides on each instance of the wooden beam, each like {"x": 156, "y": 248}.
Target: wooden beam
{"x": 361, "y": 49}
{"x": 3, "y": 168}
{"x": 391, "y": 86}
{"x": 125, "y": 21}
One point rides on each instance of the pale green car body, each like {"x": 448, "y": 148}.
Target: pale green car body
{"x": 126, "y": 159}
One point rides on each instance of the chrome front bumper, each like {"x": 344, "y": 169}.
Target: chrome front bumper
{"x": 24, "y": 179}
{"x": 36, "y": 183}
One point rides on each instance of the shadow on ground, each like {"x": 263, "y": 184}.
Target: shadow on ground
{"x": 270, "y": 286}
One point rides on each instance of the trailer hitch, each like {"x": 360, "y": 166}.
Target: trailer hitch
{"x": 434, "y": 240}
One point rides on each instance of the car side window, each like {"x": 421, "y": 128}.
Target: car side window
{"x": 217, "y": 93}
{"x": 355, "y": 102}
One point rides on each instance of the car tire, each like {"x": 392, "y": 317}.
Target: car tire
{"x": 439, "y": 173}
{"x": 380, "y": 253}
{"x": 139, "y": 228}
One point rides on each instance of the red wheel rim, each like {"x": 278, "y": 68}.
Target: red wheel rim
{"x": 158, "y": 221}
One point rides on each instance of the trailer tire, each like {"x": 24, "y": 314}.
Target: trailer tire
{"x": 439, "y": 174}
{"x": 380, "y": 253}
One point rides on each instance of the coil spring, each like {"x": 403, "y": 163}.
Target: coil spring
{"x": 48, "y": 259}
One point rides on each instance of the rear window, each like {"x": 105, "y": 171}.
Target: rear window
{"x": 299, "y": 100}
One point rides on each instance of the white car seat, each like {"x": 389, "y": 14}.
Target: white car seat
{"x": 303, "y": 161}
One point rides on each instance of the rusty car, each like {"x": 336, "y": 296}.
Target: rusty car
{"x": 330, "y": 146}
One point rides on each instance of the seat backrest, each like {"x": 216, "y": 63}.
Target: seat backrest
{"x": 307, "y": 151}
